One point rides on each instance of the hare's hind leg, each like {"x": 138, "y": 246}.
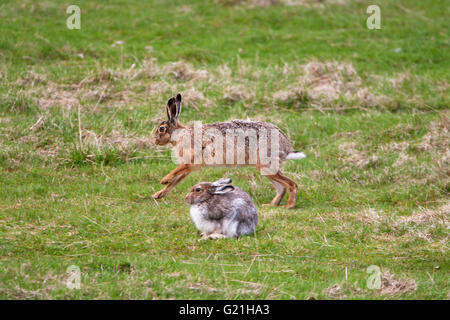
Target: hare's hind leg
{"x": 290, "y": 185}
{"x": 281, "y": 191}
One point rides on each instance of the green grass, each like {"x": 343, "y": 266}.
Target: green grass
{"x": 373, "y": 166}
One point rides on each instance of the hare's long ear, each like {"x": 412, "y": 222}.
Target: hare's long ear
{"x": 222, "y": 189}
{"x": 221, "y": 182}
{"x": 178, "y": 105}
{"x": 171, "y": 110}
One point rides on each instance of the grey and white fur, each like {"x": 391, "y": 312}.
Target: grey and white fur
{"x": 221, "y": 210}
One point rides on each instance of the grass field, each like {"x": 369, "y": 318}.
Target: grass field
{"x": 370, "y": 108}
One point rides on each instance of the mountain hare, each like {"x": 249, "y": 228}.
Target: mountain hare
{"x": 250, "y": 144}
{"x": 221, "y": 210}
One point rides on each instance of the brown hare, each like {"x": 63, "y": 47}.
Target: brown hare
{"x": 232, "y": 143}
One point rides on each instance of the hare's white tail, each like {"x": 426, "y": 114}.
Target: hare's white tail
{"x": 295, "y": 155}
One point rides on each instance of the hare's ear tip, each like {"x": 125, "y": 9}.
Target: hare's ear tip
{"x": 170, "y": 101}
{"x": 179, "y": 97}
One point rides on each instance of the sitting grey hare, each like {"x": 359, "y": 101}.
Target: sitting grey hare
{"x": 221, "y": 210}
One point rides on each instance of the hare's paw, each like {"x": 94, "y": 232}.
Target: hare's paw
{"x": 289, "y": 206}
{"x": 211, "y": 236}
{"x": 159, "y": 194}
{"x": 215, "y": 236}
{"x": 204, "y": 236}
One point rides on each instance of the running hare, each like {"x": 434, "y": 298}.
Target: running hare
{"x": 246, "y": 143}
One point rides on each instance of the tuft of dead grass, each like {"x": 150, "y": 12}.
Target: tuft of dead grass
{"x": 436, "y": 142}
{"x": 267, "y": 3}
{"x": 439, "y": 215}
{"x": 398, "y": 80}
{"x": 335, "y": 292}
{"x": 351, "y": 154}
{"x": 324, "y": 83}
{"x": 123, "y": 142}
{"x": 420, "y": 224}
{"x": 438, "y": 137}
{"x": 237, "y": 93}
{"x": 158, "y": 88}
{"x": 182, "y": 70}
{"x": 370, "y": 216}
{"x": 403, "y": 156}
{"x": 392, "y": 286}
{"x": 250, "y": 3}
{"x": 32, "y": 78}
{"x": 194, "y": 98}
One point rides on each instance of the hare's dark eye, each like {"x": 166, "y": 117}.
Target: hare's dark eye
{"x": 162, "y": 129}
{"x": 198, "y": 189}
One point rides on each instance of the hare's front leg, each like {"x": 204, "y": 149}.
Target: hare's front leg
{"x": 172, "y": 179}
{"x": 176, "y": 172}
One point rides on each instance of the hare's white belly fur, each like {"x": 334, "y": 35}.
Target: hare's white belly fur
{"x": 204, "y": 225}
{"x": 227, "y": 227}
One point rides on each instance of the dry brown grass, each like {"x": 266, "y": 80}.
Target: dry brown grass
{"x": 266, "y": 3}
{"x": 321, "y": 85}
{"x": 194, "y": 98}
{"x": 335, "y": 292}
{"x": 352, "y": 154}
{"x": 324, "y": 83}
{"x": 420, "y": 224}
{"x": 250, "y": 3}
{"x": 371, "y": 216}
{"x": 436, "y": 143}
{"x": 430, "y": 217}
{"x": 392, "y": 286}
{"x": 122, "y": 141}
{"x": 237, "y": 93}
{"x": 182, "y": 70}
{"x": 101, "y": 87}
{"x": 438, "y": 137}
{"x": 398, "y": 80}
